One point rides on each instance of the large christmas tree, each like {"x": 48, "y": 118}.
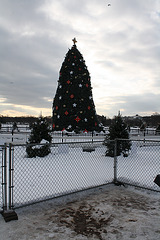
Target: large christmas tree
{"x": 73, "y": 105}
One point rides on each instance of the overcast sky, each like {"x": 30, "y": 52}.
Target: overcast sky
{"x": 120, "y": 44}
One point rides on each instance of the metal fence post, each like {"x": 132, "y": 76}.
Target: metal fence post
{"x": 5, "y": 178}
{"x": 62, "y": 136}
{"x": 10, "y": 177}
{"x": 115, "y": 160}
{"x": 9, "y": 214}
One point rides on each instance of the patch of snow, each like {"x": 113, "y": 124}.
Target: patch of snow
{"x": 43, "y": 141}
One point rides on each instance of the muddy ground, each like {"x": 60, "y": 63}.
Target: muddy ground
{"x": 110, "y": 212}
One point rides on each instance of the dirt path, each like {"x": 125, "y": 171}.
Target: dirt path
{"x": 106, "y": 213}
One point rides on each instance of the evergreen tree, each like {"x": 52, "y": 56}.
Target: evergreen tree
{"x": 117, "y": 129}
{"x": 14, "y": 127}
{"x": 158, "y": 129}
{"x": 73, "y": 106}
{"x": 143, "y": 127}
{"x": 39, "y": 131}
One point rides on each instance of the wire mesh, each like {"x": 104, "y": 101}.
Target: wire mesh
{"x": 67, "y": 168}
{"x": 1, "y": 189}
{"x": 141, "y": 166}
{"x": 71, "y": 167}
{"x": 63, "y": 137}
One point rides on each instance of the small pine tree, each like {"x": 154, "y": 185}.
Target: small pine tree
{"x": 117, "y": 129}
{"x": 14, "y": 127}
{"x": 158, "y": 129}
{"x": 39, "y": 131}
{"x": 143, "y": 127}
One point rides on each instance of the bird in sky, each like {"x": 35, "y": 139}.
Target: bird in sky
{"x": 109, "y": 4}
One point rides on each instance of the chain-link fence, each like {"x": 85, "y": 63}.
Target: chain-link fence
{"x": 68, "y": 168}
{"x": 63, "y": 137}
{"x": 16, "y": 137}
{"x": 141, "y": 166}
{"x": 72, "y": 167}
{"x": 1, "y": 189}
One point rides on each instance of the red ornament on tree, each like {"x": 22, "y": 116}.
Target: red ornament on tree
{"x": 87, "y": 85}
{"x": 53, "y": 125}
{"x": 68, "y": 82}
{"x": 95, "y": 123}
{"x": 85, "y": 131}
{"x": 72, "y": 96}
{"x": 77, "y": 119}
{"x": 89, "y": 107}
{"x": 56, "y": 107}
{"x": 66, "y": 113}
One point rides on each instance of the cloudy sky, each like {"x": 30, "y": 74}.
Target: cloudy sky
{"x": 120, "y": 44}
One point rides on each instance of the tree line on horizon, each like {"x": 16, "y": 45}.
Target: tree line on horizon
{"x": 138, "y": 121}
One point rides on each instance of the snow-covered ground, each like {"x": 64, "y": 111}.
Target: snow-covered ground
{"x": 106, "y": 213}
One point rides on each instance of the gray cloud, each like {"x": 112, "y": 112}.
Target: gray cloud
{"x": 119, "y": 43}
{"x": 134, "y": 104}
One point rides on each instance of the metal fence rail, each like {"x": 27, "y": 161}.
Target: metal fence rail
{"x": 72, "y": 137}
